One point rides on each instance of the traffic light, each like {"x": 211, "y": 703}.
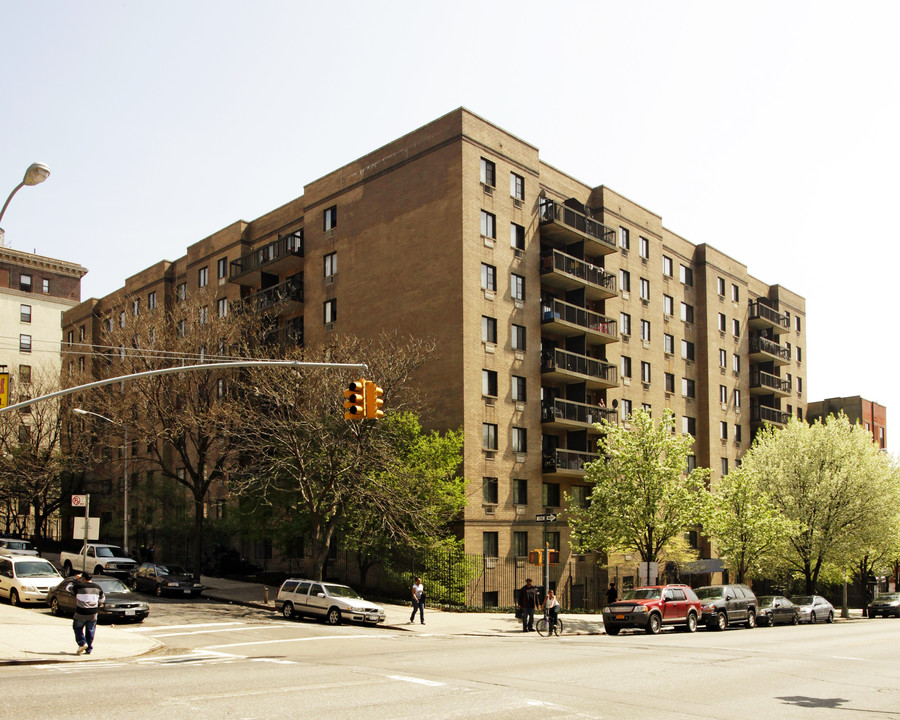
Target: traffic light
{"x": 4, "y": 388}
{"x": 355, "y": 400}
{"x": 536, "y": 557}
{"x": 373, "y": 401}
{"x": 554, "y": 557}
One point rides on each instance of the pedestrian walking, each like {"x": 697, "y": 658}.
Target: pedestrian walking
{"x": 418, "y": 601}
{"x": 612, "y": 594}
{"x": 528, "y": 601}
{"x": 88, "y": 599}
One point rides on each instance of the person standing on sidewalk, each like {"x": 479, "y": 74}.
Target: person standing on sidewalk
{"x": 612, "y": 594}
{"x": 528, "y": 601}
{"x": 88, "y": 599}
{"x": 418, "y": 601}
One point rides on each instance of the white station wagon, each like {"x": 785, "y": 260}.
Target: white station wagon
{"x": 331, "y": 602}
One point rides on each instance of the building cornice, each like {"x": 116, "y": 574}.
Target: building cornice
{"x": 32, "y": 260}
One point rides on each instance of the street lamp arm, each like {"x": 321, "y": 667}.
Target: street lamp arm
{"x": 6, "y": 204}
{"x": 34, "y": 175}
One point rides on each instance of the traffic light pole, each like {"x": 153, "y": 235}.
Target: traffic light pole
{"x": 546, "y": 558}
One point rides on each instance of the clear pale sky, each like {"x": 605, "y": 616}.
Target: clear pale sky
{"x": 767, "y": 129}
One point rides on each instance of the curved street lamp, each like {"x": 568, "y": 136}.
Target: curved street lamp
{"x": 34, "y": 175}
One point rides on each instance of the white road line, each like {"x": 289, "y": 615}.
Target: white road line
{"x": 154, "y": 628}
{"x": 215, "y": 630}
{"x": 843, "y": 657}
{"x": 304, "y": 639}
{"x": 418, "y": 681}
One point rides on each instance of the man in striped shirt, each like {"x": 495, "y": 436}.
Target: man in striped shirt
{"x": 88, "y": 599}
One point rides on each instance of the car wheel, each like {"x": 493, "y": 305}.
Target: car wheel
{"x": 67, "y": 569}
{"x": 54, "y": 607}
{"x": 751, "y": 619}
{"x": 134, "y": 585}
{"x": 98, "y": 570}
{"x": 691, "y": 624}
{"x": 721, "y": 621}
{"x": 812, "y": 618}
{"x": 795, "y": 619}
{"x": 159, "y": 591}
{"x": 288, "y": 611}
{"x": 654, "y": 624}
{"x": 333, "y": 617}
{"x": 13, "y": 597}
{"x": 830, "y": 618}
{"x": 612, "y": 630}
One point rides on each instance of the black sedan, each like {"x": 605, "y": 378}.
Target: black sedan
{"x": 886, "y": 604}
{"x": 164, "y": 578}
{"x": 119, "y": 604}
{"x": 776, "y": 609}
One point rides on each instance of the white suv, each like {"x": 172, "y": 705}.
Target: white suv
{"x": 329, "y": 601}
{"x": 26, "y": 579}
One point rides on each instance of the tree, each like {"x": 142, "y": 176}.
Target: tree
{"x": 643, "y": 495}
{"x": 748, "y": 529}
{"x": 832, "y": 482}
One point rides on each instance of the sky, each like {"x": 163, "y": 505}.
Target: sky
{"x": 769, "y": 130}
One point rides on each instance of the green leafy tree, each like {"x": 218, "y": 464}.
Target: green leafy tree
{"x": 642, "y": 495}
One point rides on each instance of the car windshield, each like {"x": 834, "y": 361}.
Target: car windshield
{"x": 802, "y": 600}
{"x": 110, "y": 585}
{"x": 643, "y": 594}
{"x": 889, "y": 597}
{"x": 710, "y": 593}
{"x": 341, "y": 591}
{"x": 171, "y": 570}
{"x": 103, "y": 551}
{"x": 35, "y": 568}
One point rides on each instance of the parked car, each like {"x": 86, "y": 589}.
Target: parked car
{"x": 119, "y": 603}
{"x": 814, "y": 608}
{"x": 26, "y": 579}
{"x": 331, "y": 602}
{"x": 97, "y": 559}
{"x": 885, "y": 605}
{"x": 15, "y": 546}
{"x": 164, "y": 578}
{"x": 776, "y": 610}
{"x": 650, "y": 608}
{"x": 725, "y": 605}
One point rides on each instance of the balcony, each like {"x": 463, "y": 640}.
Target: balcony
{"x": 567, "y": 225}
{"x": 763, "y": 383}
{"x": 288, "y": 296}
{"x": 283, "y": 256}
{"x": 562, "y": 318}
{"x": 760, "y": 414}
{"x": 564, "y": 272}
{"x": 289, "y": 334}
{"x": 764, "y": 350}
{"x": 564, "y": 366}
{"x": 567, "y": 462}
{"x": 566, "y": 414}
{"x": 763, "y": 317}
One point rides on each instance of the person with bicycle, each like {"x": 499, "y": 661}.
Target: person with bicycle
{"x": 551, "y": 609}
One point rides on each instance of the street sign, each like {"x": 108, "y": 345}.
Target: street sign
{"x": 93, "y": 528}
{"x": 79, "y": 500}
{"x": 546, "y": 517}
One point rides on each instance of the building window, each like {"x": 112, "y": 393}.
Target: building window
{"x": 82, "y": 331}
{"x": 25, "y": 282}
{"x": 490, "y": 544}
{"x": 645, "y": 330}
{"x": 687, "y": 350}
{"x": 720, "y": 286}
{"x": 723, "y": 394}
{"x": 517, "y": 186}
{"x": 222, "y": 307}
{"x": 668, "y": 266}
{"x": 329, "y": 311}
{"x": 517, "y": 286}
{"x": 722, "y": 322}
{"x": 518, "y": 337}
{"x": 799, "y": 413}
{"x": 329, "y": 265}
{"x": 737, "y": 433}
{"x": 668, "y": 344}
{"x": 25, "y": 313}
{"x": 220, "y": 388}
{"x": 687, "y": 313}
{"x": 488, "y": 172}
{"x": 122, "y": 318}
{"x": 724, "y": 466}
{"x": 645, "y": 371}
{"x": 686, "y": 275}
{"x": 736, "y": 327}
{"x": 181, "y": 328}
{"x": 799, "y": 355}
{"x": 488, "y": 224}
{"x": 329, "y": 218}
{"x": 646, "y": 408}
{"x": 489, "y": 490}
{"x": 625, "y": 323}
{"x": 203, "y": 277}
{"x": 799, "y": 385}
{"x": 689, "y": 426}
{"x": 136, "y": 307}
{"x": 644, "y": 247}
{"x": 489, "y": 383}
{"x": 688, "y": 388}
{"x": 489, "y": 436}
{"x": 797, "y": 322}
{"x": 668, "y": 305}
{"x": 723, "y": 430}
{"x": 221, "y": 267}
{"x": 519, "y": 440}
{"x": 737, "y": 398}
{"x": 626, "y": 366}
{"x": 670, "y": 383}
{"x": 736, "y": 363}
{"x": 151, "y": 300}
{"x": 518, "y": 388}
{"x": 581, "y": 496}
{"x": 25, "y": 374}
{"x": 181, "y": 292}
{"x": 626, "y": 409}
{"x": 645, "y": 289}
{"x": 70, "y": 337}
{"x": 691, "y": 463}
{"x": 488, "y": 277}
{"x": 624, "y": 239}
{"x": 25, "y": 343}
{"x": 723, "y": 359}
{"x": 520, "y": 544}
{"x": 550, "y": 494}
{"x": 520, "y": 492}
{"x": 46, "y": 286}
{"x": 488, "y": 329}
{"x": 204, "y": 315}
{"x": 624, "y": 281}
{"x": 516, "y": 236}
{"x": 735, "y": 293}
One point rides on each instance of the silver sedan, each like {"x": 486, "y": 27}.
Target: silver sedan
{"x": 814, "y": 608}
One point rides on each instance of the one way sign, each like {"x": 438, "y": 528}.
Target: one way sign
{"x": 547, "y": 518}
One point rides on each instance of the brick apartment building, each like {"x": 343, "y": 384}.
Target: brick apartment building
{"x": 869, "y": 414}
{"x": 553, "y": 304}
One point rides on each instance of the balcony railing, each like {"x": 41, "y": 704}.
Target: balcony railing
{"x": 570, "y": 224}
{"x": 565, "y": 364}
{"x": 289, "y": 246}
{"x": 761, "y": 315}
{"x": 567, "y": 272}
{"x": 567, "y": 460}
{"x": 579, "y": 320}
{"x": 761, "y": 414}
{"x": 290, "y": 334}
{"x": 764, "y": 381}
{"x": 558, "y": 410}
{"x": 763, "y": 347}
{"x": 290, "y": 291}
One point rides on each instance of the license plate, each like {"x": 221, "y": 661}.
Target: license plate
{"x": 129, "y": 612}
{"x": 187, "y": 592}
{"x": 620, "y": 617}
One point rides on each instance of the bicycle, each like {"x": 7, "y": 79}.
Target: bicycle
{"x": 544, "y": 629}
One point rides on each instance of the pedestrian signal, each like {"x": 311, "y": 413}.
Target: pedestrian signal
{"x": 355, "y": 400}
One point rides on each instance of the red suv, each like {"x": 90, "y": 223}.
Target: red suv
{"x": 651, "y": 607}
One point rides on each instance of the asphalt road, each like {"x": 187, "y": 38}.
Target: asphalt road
{"x": 232, "y": 662}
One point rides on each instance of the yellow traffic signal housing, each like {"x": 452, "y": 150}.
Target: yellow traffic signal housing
{"x": 374, "y": 402}
{"x": 355, "y": 400}
{"x": 554, "y": 557}
{"x": 536, "y": 557}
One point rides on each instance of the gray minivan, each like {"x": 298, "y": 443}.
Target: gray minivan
{"x": 724, "y": 605}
